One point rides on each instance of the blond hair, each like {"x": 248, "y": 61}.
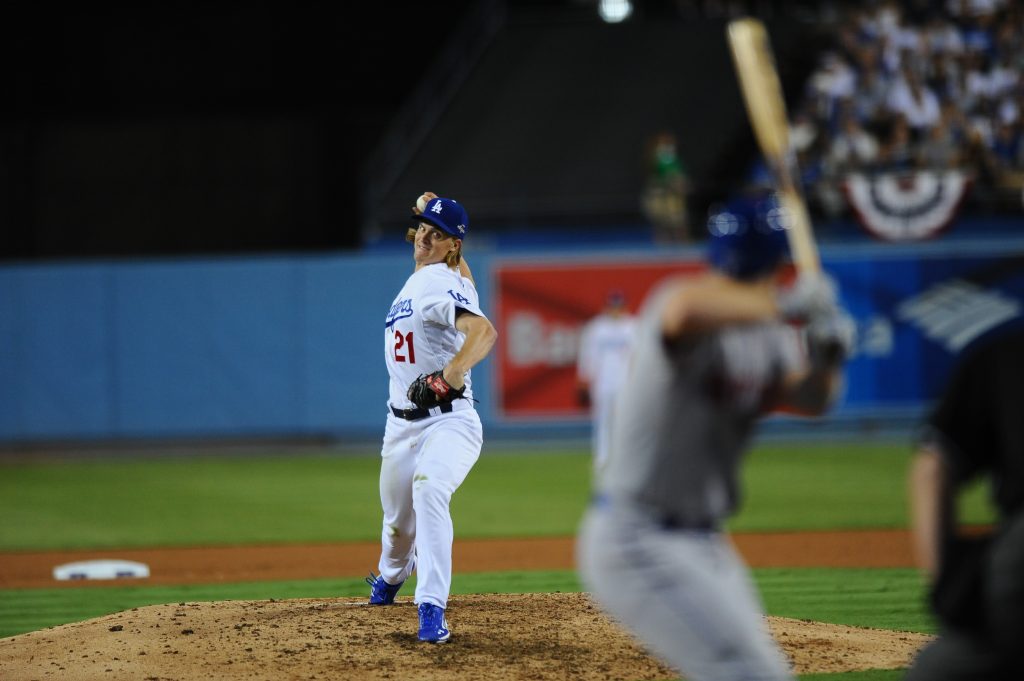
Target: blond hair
{"x": 452, "y": 258}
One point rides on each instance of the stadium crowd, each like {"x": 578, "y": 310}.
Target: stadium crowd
{"x": 917, "y": 85}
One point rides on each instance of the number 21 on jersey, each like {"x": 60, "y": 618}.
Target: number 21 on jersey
{"x": 405, "y": 350}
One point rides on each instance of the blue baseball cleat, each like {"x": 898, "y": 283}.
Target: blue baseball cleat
{"x": 433, "y": 626}
{"x": 382, "y": 593}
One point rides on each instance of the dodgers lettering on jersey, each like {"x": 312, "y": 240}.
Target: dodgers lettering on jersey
{"x": 419, "y": 330}
{"x": 400, "y": 310}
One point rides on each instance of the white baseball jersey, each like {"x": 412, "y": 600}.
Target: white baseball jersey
{"x": 425, "y": 460}
{"x": 419, "y": 333}
{"x": 602, "y": 363}
{"x": 604, "y": 353}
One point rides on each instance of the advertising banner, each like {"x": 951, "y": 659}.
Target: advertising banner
{"x": 914, "y": 310}
{"x": 914, "y": 315}
{"x": 541, "y": 310}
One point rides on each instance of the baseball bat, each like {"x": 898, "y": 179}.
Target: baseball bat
{"x": 762, "y": 94}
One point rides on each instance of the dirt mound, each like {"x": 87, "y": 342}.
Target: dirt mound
{"x": 520, "y": 636}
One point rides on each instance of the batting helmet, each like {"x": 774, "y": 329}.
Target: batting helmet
{"x": 748, "y": 237}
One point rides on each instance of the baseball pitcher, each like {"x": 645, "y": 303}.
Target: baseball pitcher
{"x": 434, "y": 333}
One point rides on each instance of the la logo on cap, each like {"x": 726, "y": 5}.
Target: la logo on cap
{"x": 437, "y": 207}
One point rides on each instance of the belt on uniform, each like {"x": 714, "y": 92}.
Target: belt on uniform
{"x": 672, "y": 523}
{"x": 667, "y": 521}
{"x": 417, "y": 414}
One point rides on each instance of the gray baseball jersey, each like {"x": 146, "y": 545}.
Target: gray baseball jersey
{"x": 686, "y": 414}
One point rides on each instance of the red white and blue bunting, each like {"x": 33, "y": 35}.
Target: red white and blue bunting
{"x": 906, "y": 206}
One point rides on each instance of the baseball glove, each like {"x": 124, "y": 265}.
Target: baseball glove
{"x": 430, "y": 390}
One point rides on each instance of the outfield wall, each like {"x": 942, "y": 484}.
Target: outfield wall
{"x": 290, "y": 346}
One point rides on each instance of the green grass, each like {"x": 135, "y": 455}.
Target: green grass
{"x": 875, "y": 598}
{"x": 840, "y": 596}
{"x": 839, "y": 486}
{"x": 216, "y": 500}
{"x": 184, "y": 501}
{"x": 23, "y": 610}
{"x": 208, "y": 500}
{"x": 293, "y": 498}
{"x": 881, "y": 598}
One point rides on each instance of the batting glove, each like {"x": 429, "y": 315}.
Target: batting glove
{"x": 813, "y": 294}
{"x": 831, "y": 337}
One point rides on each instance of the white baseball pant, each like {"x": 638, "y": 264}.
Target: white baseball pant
{"x": 601, "y": 417}
{"x": 422, "y": 464}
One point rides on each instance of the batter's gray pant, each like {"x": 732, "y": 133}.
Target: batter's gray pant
{"x": 686, "y": 595}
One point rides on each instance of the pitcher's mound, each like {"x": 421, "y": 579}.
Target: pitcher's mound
{"x": 494, "y": 636}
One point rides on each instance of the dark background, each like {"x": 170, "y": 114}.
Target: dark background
{"x": 188, "y": 128}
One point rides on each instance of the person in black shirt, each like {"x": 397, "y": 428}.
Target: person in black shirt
{"x": 977, "y": 580}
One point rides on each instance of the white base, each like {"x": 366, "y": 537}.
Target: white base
{"x": 100, "y": 569}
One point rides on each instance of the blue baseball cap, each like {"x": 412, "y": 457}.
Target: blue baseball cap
{"x": 748, "y": 237}
{"x": 447, "y": 215}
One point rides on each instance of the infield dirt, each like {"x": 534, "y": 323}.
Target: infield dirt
{"x": 210, "y": 565}
{"x": 494, "y": 636}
